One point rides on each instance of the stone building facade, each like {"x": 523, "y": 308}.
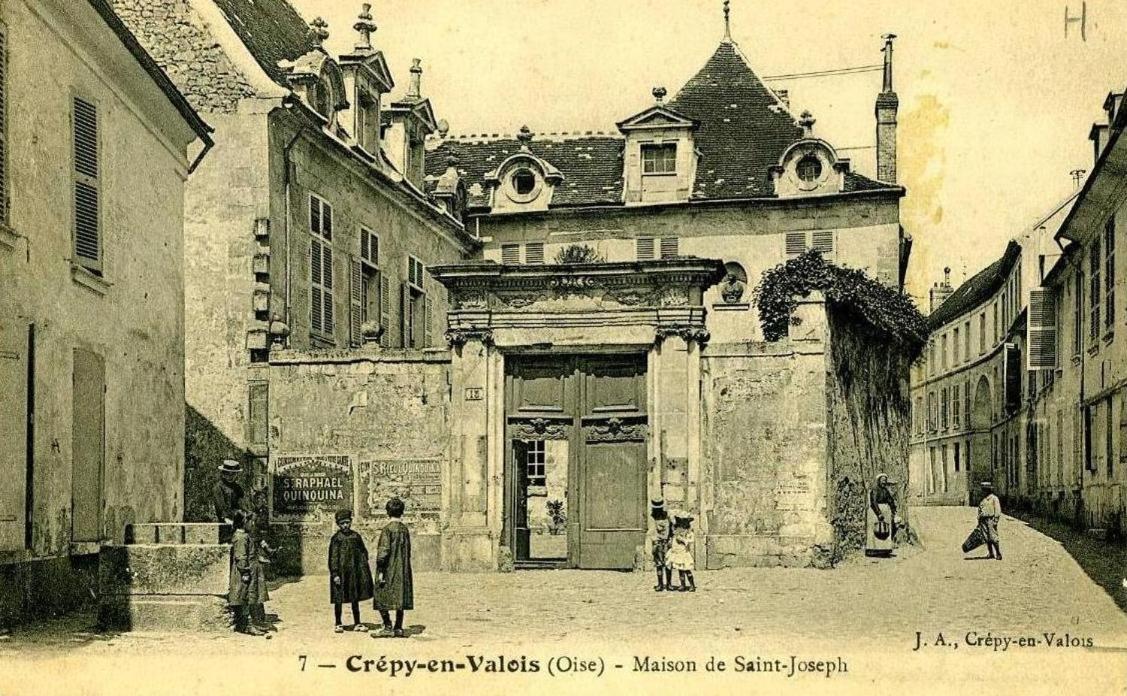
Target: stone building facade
{"x": 95, "y": 145}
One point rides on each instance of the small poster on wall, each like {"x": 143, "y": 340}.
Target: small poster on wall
{"x": 311, "y": 486}
{"x": 417, "y": 481}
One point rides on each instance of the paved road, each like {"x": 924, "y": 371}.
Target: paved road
{"x": 868, "y": 611}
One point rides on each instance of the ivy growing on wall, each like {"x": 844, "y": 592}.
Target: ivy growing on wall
{"x": 847, "y": 291}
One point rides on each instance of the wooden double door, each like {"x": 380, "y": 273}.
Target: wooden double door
{"x": 576, "y": 430}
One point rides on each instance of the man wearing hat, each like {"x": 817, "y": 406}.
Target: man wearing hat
{"x": 661, "y": 542}
{"x": 989, "y": 512}
{"x": 227, "y": 496}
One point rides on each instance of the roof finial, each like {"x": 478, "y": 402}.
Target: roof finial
{"x": 365, "y": 27}
{"x": 524, "y": 136}
{"x": 320, "y": 30}
{"x": 416, "y": 87}
{"x": 727, "y": 21}
{"x": 887, "y": 61}
{"x": 806, "y": 121}
{"x": 659, "y": 94}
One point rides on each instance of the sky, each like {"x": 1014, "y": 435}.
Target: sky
{"x": 995, "y": 101}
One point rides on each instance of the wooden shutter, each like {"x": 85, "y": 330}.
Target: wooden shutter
{"x": 4, "y": 190}
{"x": 87, "y": 218}
{"x": 356, "y": 301}
{"x": 1042, "y": 330}
{"x": 405, "y": 314}
{"x": 510, "y": 253}
{"x": 316, "y": 304}
{"x": 645, "y": 248}
{"x": 15, "y": 349}
{"x": 327, "y": 273}
{"x": 823, "y": 241}
{"x": 669, "y": 247}
{"x": 385, "y": 310}
{"x": 427, "y": 318}
{"x": 534, "y": 252}
{"x": 795, "y": 243}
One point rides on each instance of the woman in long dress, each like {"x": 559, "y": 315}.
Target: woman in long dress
{"x": 881, "y": 514}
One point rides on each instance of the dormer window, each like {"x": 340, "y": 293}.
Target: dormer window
{"x": 809, "y": 168}
{"x": 523, "y": 185}
{"x": 524, "y": 182}
{"x": 659, "y": 159}
{"x": 320, "y": 98}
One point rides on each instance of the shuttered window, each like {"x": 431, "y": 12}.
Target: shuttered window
{"x": 356, "y": 302}
{"x": 5, "y": 195}
{"x": 670, "y": 247}
{"x": 320, "y": 267}
{"x": 510, "y": 253}
{"x": 795, "y": 243}
{"x": 415, "y": 269}
{"x": 369, "y": 247}
{"x": 1109, "y": 273}
{"x": 534, "y": 252}
{"x": 414, "y": 307}
{"x": 644, "y": 248}
{"x": 385, "y": 310}
{"x": 1094, "y": 294}
{"x": 87, "y": 194}
{"x": 823, "y": 241}
{"x": 1042, "y": 329}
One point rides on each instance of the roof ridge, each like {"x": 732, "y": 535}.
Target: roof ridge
{"x": 541, "y": 136}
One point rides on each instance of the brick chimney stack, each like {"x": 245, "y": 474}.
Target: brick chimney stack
{"x": 886, "y": 107}
{"x": 941, "y": 291}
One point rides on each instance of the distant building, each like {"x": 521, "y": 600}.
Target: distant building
{"x": 95, "y": 145}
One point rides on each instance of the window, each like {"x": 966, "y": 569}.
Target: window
{"x": 366, "y": 286}
{"x": 415, "y": 307}
{"x": 320, "y": 96}
{"x": 957, "y": 456}
{"x": 1108, "y": 452}
{"x": 956, "y": 408}
{"x": 995, "y": 306}
{"x": 644, "y": 248}
{"x": 524, "y": 182}
{"x": 809, "y": 168}
{"x": 943, "y": 408}
{"x": 966, "y": 405}
{"x": 369, "y": 247}
{"x": 966, "y": 338}
{"x": 659, "y": 159}
{"x": 320, "y": 266}
{"x": 819, "y": 240}
{"x": 982, "y": 333}
{"x": 535, "y": 462}
{"x": 510, "y": 253}
{"x": 669, "y": 247}
{"x": 534, "y": 252}
{"x": 956, "y": 346}
{"x": 823, "y": 241}
{"x": 944, "y": 465}
{"x": 931, "y": 420}
{"x": 930, "y": 483}
{"x": 1109, "y": 273}
{"x": 943, "y": 351}
{"x": 1077, "y": 315}
{"x": 87, "y": 187}
{"x": 919, "y": 415}
{"x": 1094, "y": 296}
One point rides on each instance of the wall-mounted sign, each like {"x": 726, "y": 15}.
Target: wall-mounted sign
{"x": 305, "y": 486}
{"x": 417, "y": 481}
{"x": 475, "y": 393}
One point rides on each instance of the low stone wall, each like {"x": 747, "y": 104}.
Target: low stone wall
{"x": 37, "y": 589}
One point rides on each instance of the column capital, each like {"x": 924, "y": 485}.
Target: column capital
{"x": 460, "y": 337}
{"x": 686, "y": 331}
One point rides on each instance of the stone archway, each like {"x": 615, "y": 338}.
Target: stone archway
{"x": 978, "y": 461}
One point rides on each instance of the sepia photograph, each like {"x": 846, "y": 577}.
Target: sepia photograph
{"x": 563, "y": 346}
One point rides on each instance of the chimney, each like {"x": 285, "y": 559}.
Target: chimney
{"x": 365, "y": 27}
{"x": 784, "y": 96}
{"x": 886, "y": 107}
{"x": 415, "y": 90}
{"x": 941, "y": 291}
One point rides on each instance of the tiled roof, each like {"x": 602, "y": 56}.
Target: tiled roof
{"x": 272, "y": 31}
{"x": 591, "y": 165}
{"x": 743, "y": 131}
{"x": 979, "y": 288}
{"x": 743, "y": 127}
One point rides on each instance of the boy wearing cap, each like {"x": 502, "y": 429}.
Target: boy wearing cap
{"x": 350, "y": 577}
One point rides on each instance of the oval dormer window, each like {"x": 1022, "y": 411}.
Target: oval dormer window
{"x": 524, "y": 185}
{"x": 320, "y": 97}
{"x": 809, "y": 169}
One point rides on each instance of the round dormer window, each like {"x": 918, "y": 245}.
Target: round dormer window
{"x": 523, "y": 185}
{"x": 809, "y": 169}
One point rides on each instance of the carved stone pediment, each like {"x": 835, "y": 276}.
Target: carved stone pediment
{"x": 538, "y": 429}
{"x": 615, "y": 430}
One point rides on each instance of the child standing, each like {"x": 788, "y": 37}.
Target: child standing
{"x": 247, "y": 586}
{"x": 663, "y": 538}
{"x": 350, "y": 578}
{"x": 681, "y": 553}
{"x": 396, "y": 589}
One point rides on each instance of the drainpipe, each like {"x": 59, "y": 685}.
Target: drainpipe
{"x": 286, "y": 164}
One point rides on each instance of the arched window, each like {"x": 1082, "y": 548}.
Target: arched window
{"x": 809, "y": 168}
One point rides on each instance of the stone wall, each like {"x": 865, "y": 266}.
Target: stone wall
{"x": 379, "y": 420}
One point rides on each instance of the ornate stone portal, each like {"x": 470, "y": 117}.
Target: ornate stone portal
{"x": 502, "y": 312}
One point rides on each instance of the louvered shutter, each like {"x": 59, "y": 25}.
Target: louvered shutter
{"x": 364, "y": 244}
{"x": 316, "y": 304}
{"x": 326, "y": 221}
{"x": 327, "y": 256}
{"x": 356, "y": 298}
{"x": 87, "y": 221}
{"x": 1042, "y": 330}
{"x": 385, "y": 310}
{"x": 645, "y": 248}
{"x": 427, "y": 318}
{"x": 534, "y": 252}
{"x": 405, "y": 314}
{"x": 315, "y": 214}
{"x": 669, "y": 247}
{"x": 823, "y": 241}
{"x": 796, "y": 243}
{"x": 4, "y": 191}
{"x": 510, "y": 253}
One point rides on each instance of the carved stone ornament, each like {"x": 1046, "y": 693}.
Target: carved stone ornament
{"x": 674, "y": 297}
{"x": 615, "y": 430}
{"x": 733, "y": 289}
{"x": 460, "y": 337}
{"x": 473, "y": 299}
{"x": 570, "y": 282}
{"x": 634, "y": 296}
{"x": 689, "y": 333}
{"x": 538, "y": 429}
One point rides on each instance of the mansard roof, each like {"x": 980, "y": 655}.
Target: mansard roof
{"x": 741, "y": 129}
{"x": 272, "y": 30}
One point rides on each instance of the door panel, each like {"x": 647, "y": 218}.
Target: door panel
{"x": 541, "y": 385}
{"x": 13, "y": 434}
{"x": 88, "y": 445}
{"x": 614, "y": 385}
{"x": 614, "y": 495}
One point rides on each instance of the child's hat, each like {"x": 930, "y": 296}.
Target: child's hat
{"x": 682, "y": 515}
{"x": 657, "y": 503}
{"x": 343, "y": 515}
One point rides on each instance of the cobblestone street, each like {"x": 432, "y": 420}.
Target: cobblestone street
{"x": 867, "y": 611}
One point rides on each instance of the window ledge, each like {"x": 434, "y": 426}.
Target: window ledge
{"x": 659, "y": 173}
{"x": 88, "y": 280}
{"x": 1093, "y": 349}
{"x": 1109, "y": 336}
{"x": 1076, "y": 359}
{"x": 8, "y": 237}
{"x": 731, "y": 307}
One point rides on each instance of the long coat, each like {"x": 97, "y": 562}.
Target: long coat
{"x": 348, "y": 560}
{"x": 245, "y": 563}
{"x": 393, "y": 563}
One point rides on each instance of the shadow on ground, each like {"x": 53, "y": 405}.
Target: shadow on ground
{"x": 1104, "y": 562}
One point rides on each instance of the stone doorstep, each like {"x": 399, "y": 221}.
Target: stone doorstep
{"x": 170, "y": 613}
{"x": 157, "y": 569}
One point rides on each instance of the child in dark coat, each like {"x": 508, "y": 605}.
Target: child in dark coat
{"x": 396, "y": 589}
{"x": 350, "y": 578}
